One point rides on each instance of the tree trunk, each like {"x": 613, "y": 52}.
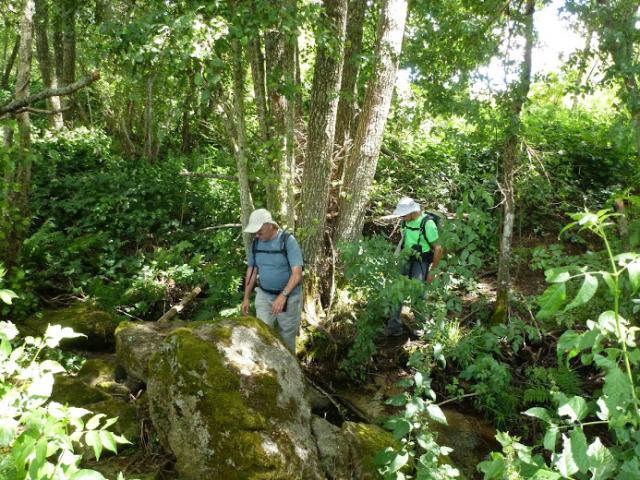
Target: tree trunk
{"x": 280, "y": 75}
{"x": 518, "y": 97}
{"x": 348, "y": 101}
{"x": 58, "y": 43}
{"x": 362, "y": 162}
{"x": 18, "y": 177}
{"x": 69, "y": 9}
{"x": 316, "y": 179}
{"x": 185, "y": 127}
{"x": 259, "y": 87}
{"x": 236, "y": 130}
{"x": 149, "y": 137}
{"x": 4, "y": 85}
{"x": 49, "y": 79}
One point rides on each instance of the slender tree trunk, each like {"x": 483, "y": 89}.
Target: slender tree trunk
{"x": 149, "y": 137}
{"x": 18, "y": 177}
{"x": 280, "y": 74}
{"x": 234, "y": 121}
{"x": 185, "y": 130}
{"x": 316, "y": 179}
{"x": 9, "y": 65}
{"x": 259, "y": 86}
{"x": 58, "y": 43}
{"x": 509, "y": 159}
{"x": 348, "y": 101}
{"x": 41, "y": 24}
{"x": 69, "y": 9}
{"x": 363, "y": 160}
{"x": 7, "y": 130}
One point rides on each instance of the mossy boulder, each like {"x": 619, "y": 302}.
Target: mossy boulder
{"x": 98, "y": 326}
{"x": 229, "y": 400}
{"x": 333, "y": 449}
{"x": 136, "y": 342}
{"x": 71, "y": 391}
{"x": 365, "y": 442}
{"x": 100, "y": 373}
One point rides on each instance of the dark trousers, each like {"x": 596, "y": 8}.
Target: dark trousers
{"x": 416, "y": 268}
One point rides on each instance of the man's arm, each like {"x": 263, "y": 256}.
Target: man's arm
{"x": 278, "y": 304}
{"x": 249, "y": 282}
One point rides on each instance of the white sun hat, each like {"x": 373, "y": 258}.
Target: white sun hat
{"x": 258, "y": 218}
{"x": 405, "y": 206}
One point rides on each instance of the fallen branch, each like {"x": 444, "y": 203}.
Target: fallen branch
{"x": 225, "y": 225}
{"x": 176, "y": 309}
{"x": 49, "y": 92}
{"x": 185, "y": 173}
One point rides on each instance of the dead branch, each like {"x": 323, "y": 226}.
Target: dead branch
{"x": 226, "y": 225}
{"x": 173, "y": 311}
{"x": 12, "y": 107}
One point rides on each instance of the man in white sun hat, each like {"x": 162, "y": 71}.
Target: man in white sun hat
{"x": 275, "y": 266}
{"x": 419, "y": 238}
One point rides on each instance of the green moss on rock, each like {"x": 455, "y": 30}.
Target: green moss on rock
{"x": 98, "y": 326}
{"x": 366, "y": 441}
{"x": 127, "y": 424}
{"x": 71, "y": 391}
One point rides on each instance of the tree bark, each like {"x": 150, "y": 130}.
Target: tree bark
{"x": 280, "y": 75}
{"x": 316, "y": 179}
{"x": 69, "y": 9}
{"x": 4, "y": 85}
{"x": 348, "y": 95}
{"x": 518, "y": 97}
{"x": 58, "y": 43}
{"x": 362, "y": 162}
{"x": 149, "y": 137}
{"x": 49, "y": 79}
{"x": 259, "y": 87}
{"x": 14, "y": 221}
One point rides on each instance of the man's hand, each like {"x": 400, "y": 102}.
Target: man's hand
{"x": 429, "y": 278}
{"x": 278, "y": 304}
{"x": 245, "y": 306}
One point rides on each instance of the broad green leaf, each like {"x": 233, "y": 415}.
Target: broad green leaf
{"x": 564, "y": 462}
{"x": 41, "y": 388}
{"x": 550, "y": 438}
{"x": 579, "y": 449}
{"x": 5, "y": 348}
{"x": 109, "y": 441}
{"x": 399, "y": 461}
{"x": 94, "y": 422}
{"x": 415, "y": 406}
{"x": 616, "y": 389}
{"x": 397, "y": 400}
{"x": 87, "y": 475}
{"x": 551, "y": 300}
{"x": 634, "y": 274}
{"x": 602, "y": 463}
{"x": 607, "y": 321}
{"x": 538, "y": 412}
{"x": 435, "y": 412}
{"x": 586, "y": 292}
{"x": 8, "y": 330}
{"x": 576, "y": 409}
{"x": 55, "y": 333}
{"x": 493, "y": 469}
{"x": 8, "y": 430}
{"x": 92, "y": 439}
{"x": 568, "y": 343}
{"x": 608, "y": 279}
{"x": 557, "y": 275}
{"x": 418, "y": 379}
{"x": 7, "y": 296}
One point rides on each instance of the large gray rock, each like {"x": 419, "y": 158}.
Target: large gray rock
{"x": 136, "y": 342}
{"x": 333, "y": 449}
{"x": 229, "y": 400}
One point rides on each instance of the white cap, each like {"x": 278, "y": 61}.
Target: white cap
{"x": 405, "y": 206}
{"x": 258, "y": 218}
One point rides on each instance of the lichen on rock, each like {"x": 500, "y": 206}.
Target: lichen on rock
{"x": 228, "y": 399}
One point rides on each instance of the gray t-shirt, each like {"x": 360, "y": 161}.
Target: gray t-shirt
{"x": 273, "y": 267}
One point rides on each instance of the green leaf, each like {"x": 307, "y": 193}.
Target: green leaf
{"x": 616, "y": 389}
{"x": 435, "y": 412}
{"x": 92, "y": 439}
{"x": 602, "y": 463}
{"x": 557, "y": 275}
{"x": 607, "y": 321}
{"x": 399, "y": 461}
{"x": 538, "y": 412}
{"x": 8, "y": 330}
{"x": 579, "y": 449}
{"x": 551, "y": 300}
{"x": 608, "y": 279}
{"x": 564, "y": 462}
{"x": 576, "y": 409}
{"x": 634, "y": 274}
{"x": 87, "y": 475}
{"x": 550, "y": 438}
{"x": 7, "y": 295}
{"x": 109, "y": 441}
{"x": 586, "y": 292}
{"x": 94, "y": 422}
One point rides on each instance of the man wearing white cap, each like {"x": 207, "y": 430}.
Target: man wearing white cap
{"x": 275, "y": 258}
{"x": 419, "y": 237}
